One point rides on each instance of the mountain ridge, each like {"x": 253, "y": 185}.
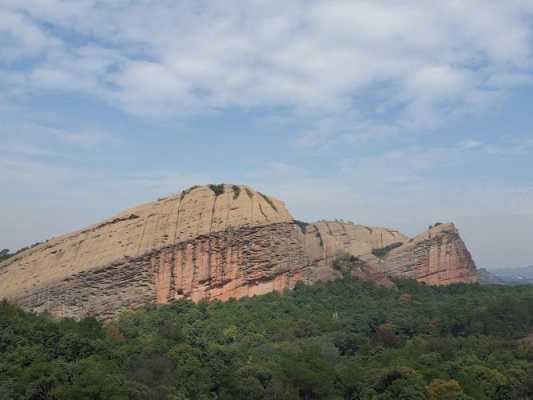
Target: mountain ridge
{"x": 216, "y": 242}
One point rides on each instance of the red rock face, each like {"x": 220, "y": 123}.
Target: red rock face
{"x": 437, "y": 257}
{"x": 224, "y": 265}
{"x": 207, "y": 246}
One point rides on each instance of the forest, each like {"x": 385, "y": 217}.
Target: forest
{"x": 345, "y": 339}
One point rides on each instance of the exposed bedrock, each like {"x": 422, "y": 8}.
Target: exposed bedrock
{"x": 216, "y": 242}
{"x": 436, "y": 257}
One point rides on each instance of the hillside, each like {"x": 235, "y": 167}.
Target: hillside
{"x": 345, "y": 339}
{"x": 514, "y": 276}
{"x": 216, "y": 242}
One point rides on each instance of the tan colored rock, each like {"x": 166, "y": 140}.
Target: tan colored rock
{"x": 215, "y": 242}
{"x": 436, "y": 257}
{"x": 358, "y": 240}
{"x": 246, "y": 261}
{"x": 138, "y": 231}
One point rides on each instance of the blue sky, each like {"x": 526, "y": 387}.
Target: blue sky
{"x": 385, "y": 113}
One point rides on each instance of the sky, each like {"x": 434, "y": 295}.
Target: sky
{"x": 386, "y": 113}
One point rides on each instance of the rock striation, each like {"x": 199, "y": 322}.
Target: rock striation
{"x": 436, "y": 257}
{"x": 216, "y": 242}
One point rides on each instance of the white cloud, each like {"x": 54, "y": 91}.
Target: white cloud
{"x": 468, "y": 144}
{"x": 322, "y": 60}
{"x": 20, "y": 37}
{"x": 29, "y": 142}
{"x": 438, "y": 82}
{"x": 84, "y": 139}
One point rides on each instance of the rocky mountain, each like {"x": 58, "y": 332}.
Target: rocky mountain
{"x": 217, "y": 242}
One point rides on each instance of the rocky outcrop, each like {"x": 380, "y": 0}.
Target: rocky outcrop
{"x": 215, "y": 242}
{"x": 338, "y": 237}
{"x": 138, "y": 231}
{"x": 436, "y": 257}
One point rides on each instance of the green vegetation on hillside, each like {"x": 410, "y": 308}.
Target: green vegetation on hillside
{"x": 236, "y": 191}
{"x": 383, "y": 251}
{"x": 302, "y": 225}
{"x": 187, "y": 191}
{"x": 269, "y": 201}
{"x": 217, "y": 189}
{"x": 341, "y": 340}
{"x": 5, "y": 254}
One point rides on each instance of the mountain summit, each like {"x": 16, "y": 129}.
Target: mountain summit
{"x": 217, "y": 242}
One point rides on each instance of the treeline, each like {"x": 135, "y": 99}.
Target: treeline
{"x": 6, "y": 253}
{"x": 341, "y": 340}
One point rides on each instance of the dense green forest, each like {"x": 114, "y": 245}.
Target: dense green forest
{"x": 341, "y": 340}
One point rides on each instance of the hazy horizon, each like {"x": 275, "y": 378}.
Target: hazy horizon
{"x": 385, "y": 114}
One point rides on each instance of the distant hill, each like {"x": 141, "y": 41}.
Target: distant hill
{"x": 507, "y": 276}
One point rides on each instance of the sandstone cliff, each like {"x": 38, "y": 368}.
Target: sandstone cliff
{"x": 216, "y": 242}
{"x": 437, "y": 256}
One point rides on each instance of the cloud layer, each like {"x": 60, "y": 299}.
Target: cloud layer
{"x": 346, "y": 63}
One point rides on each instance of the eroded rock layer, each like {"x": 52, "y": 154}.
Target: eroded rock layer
{"x": 216, "y": 242}
{"x": 137, "y": 231}
{"x": 436, "y": 257}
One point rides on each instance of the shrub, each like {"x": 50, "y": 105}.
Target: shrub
{"x": 269, "y": 201}
{"x": 345, "y": 263}
{"x": 383, "y": 251}
{"x": 302, "y": 225}
{"x": 218, "y": 189}
{"x": 236, "y": 191}
{"x": 187, "y": 191}
{"x": 249, "y": 192}
{"x": 5, "y": 254}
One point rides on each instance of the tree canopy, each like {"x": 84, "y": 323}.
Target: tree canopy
{"x": 5, "y": 254}
{"x": 340, "y": 340}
